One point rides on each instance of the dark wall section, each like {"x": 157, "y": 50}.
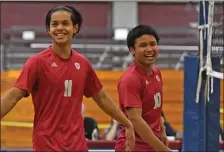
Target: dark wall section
{"x": 165, "y": 14}
{"x": 95, "y": 14}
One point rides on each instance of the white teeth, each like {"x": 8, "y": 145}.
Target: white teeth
{"x": 149, "y": 55}
{"x": 60, "y": 34}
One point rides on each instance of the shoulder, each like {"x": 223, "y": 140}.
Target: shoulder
{"x": 39, "y": 57}
{"x": 36, "y": 60}
{"x": 42, "y": 54}
{"x": 132, "y": 74}
{"x": 158, "y": 74}
{"x": 81, "y": 58}
{"x": 156, "y": 69}
{"x": 31, "y": 61}
{"x": 131, "y": 78}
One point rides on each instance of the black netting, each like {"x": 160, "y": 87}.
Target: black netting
{"x": 217, "y": 43}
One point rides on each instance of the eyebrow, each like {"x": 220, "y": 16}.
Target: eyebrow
{"x": 60, "y": 21}
{"x": 149, "y": 42}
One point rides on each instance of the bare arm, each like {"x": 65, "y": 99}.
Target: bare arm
{"x": 113, "y": 131}
{"x": 9, "y": 100}
{"x": 142, "y": 128}
{"x": 108, "y": 106}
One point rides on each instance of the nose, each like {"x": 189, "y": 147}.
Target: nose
{"x": 149, "y": 48}
{"x": 60, "y": 27}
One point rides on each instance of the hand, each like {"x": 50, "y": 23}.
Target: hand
{"x": 130, "y": 137}
{"x": 179, "y": 135}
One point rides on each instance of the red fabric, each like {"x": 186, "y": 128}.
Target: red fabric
{"x": 138, "y": 89}
{"x": 57, "y": 87}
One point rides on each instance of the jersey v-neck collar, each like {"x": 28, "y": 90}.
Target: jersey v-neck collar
{"x": 59, "y": 58}
{"x": 142, "y": 72}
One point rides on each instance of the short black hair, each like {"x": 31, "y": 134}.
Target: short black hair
{"x": 138, "y": 31}
{"x": 76, "y": 17}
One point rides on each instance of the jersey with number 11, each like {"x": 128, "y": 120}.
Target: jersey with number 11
{"x": 57, "y": 86}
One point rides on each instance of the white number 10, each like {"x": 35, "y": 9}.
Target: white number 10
{"x": 157, "y": 99}
{"x": 68, "y": 88}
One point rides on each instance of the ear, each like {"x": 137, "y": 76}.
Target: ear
{"x": 132, "y": 50}
{"x": 75, "y": 28}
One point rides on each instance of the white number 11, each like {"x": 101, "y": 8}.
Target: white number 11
{"x": 68, "y": 88}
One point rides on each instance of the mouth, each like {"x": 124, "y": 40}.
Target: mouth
{"x": 150, "y": 56}
{"x": 60, "y": 35}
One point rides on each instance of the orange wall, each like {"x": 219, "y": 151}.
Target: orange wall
{"x": 173, "y": 97}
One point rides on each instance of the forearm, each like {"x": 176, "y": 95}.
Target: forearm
{"x": 147, "y": 134}
{"x": 109, "y": 107}
{"x": 8, "y": 101}
{"x": 5, "y": 105}
{"x": 111, "y": 134}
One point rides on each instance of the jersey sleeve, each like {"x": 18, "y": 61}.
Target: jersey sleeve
{"x": 28, "y": 76}
{"x": 130, "y": 90}
{"x": 93, "y": 84}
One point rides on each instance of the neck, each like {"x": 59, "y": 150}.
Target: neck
{"x": 145, "y": 68}
{"x": 63, "y": 51}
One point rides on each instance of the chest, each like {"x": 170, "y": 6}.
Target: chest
{"x": 65, "y": 78}
{"x": 152, "y": 93}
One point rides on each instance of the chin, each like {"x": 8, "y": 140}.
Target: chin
{"x": 61, "y": 42}
{"x": 147, "y": 64}
{"x": 150, "y": 62}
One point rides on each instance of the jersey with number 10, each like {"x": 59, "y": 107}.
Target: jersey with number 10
{"x": 138, "y": 89}
{"x": 57, "y": 87}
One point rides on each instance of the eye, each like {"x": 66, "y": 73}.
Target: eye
{"x": 143, "y": 45}
{"x": 153, "y": 43}
{"x": 65, "y": 23}
{"x": 54, "y": 24}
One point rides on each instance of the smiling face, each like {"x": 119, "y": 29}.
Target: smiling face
{"x": 61, "y": 27}
{"x": 145, "y": 50}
